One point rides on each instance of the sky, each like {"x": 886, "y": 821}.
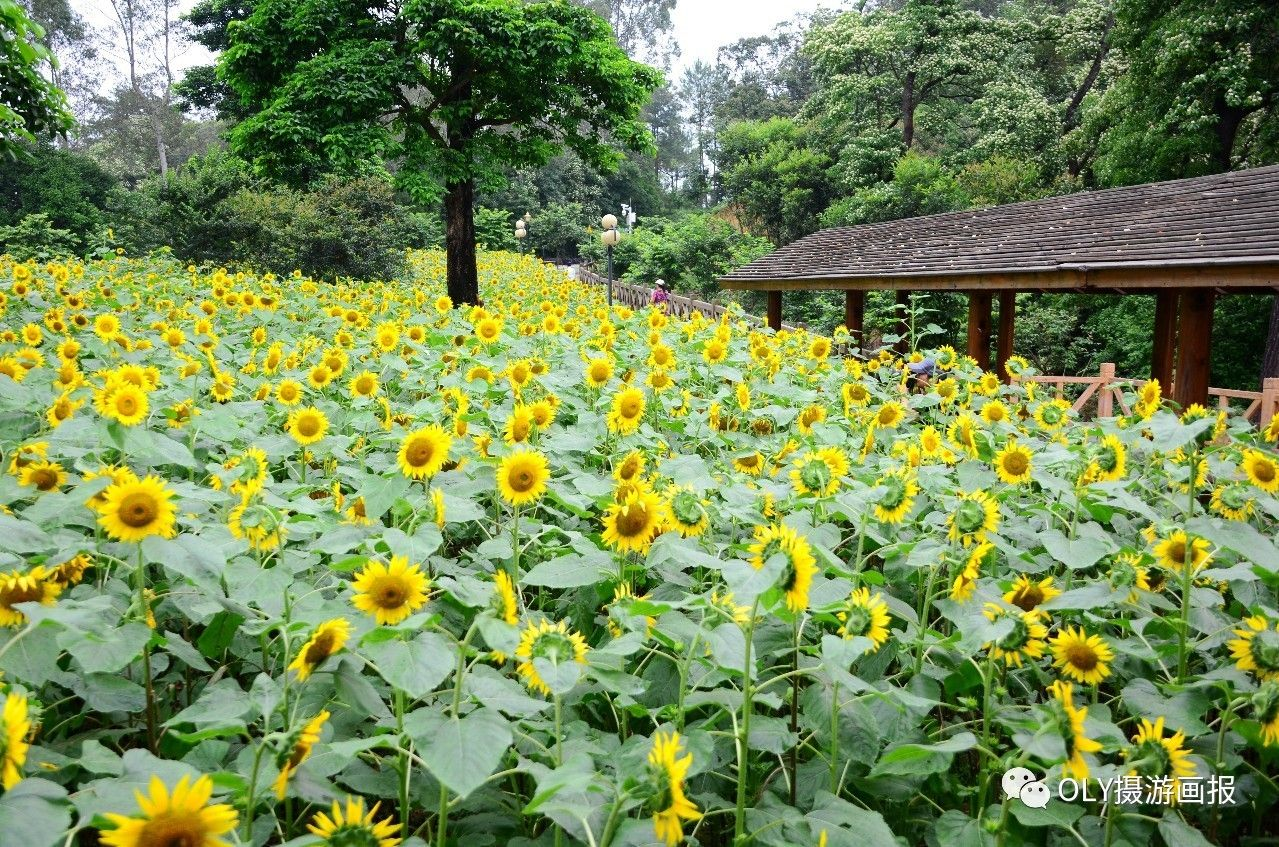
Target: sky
{"x": 701, "y": 26}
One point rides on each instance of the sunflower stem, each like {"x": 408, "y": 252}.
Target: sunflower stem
{"x": 559, "y": 755}
{"x": 1187, "y": 574}
{"x": 402, "y": 768}
{"x": 834, "y": 738}
{"x": 146, "y": 652}
{"x": 250, "y": 797}
{"x": 986, "y": 674}
{"x": 744, "y": 731}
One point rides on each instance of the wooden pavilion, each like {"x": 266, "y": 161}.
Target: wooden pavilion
{"x": 1185, "y": 242}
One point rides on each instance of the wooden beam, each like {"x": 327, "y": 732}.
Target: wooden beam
{"x": 1194, "y": 347}
{"x": 775, "y": 309}
{"x": 1007, "y": 315}
{"x": 903, "y": 322}
{"x": 855, "y": 315}
{"x": 979, "y": 327}
{"x": 1165, "y": 349}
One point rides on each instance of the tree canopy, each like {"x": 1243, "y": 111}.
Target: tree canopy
{"x": 30, "y": 104}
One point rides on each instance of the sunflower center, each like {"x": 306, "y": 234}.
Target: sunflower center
{"x": 1015, "y": 464}
{"x": 632, "y": 520}
{"x": 419, "y": 452}
{"x": 172, "y": 829}
{"x": 321, "y": 648}
{"x": 390, "y": 592}
{"x": 138, "y": 510}
{"x": 44, "y": 479}
{"x": 308, "y": 426}
{"x": 1082, "y": 657}
{"x": 1028, "y": 597}
{"x": 1264, "y": 471}
{"x": 126, "y": 404}
{"x": 1177, "y": 552}
{"x": 521, "y": 479}
{"x": 630, "y": 408}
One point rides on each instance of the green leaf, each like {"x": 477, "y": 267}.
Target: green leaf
{"x": 922, "y": 758}
{"x": 830, "y": 812}
{"x": 357, "y": 692}
{"x": 31, "y": 655}
{"x": 108, "y": 650}
{"x": 106, "y": 692}
{"x": 461, "y": 753}
{"x": 1074, "y": 553}
{"x": 1056, "y": 813}
{"x": 220, "y": 704}
{"x": 569, "y": 571}
{"x": 34, "y": 813}
{"x": 1177, "y": 833}
{"x": 415, "y": 667}
{"x": 1181, "y": 712}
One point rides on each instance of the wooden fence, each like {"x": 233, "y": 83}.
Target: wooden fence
{"x": 1104, "y": 391}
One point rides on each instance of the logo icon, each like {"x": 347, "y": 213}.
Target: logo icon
{"x": 1022, "y": 784}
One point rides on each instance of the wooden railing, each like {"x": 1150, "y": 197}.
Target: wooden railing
{"x": 1106, "y": 390}
{"x": 637, "y": 297}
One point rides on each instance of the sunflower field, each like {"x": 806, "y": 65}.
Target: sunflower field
{"x": 293, "y": 562}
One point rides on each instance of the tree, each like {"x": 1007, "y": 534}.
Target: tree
{"x": 453, "y": 89}
{"x": 642, "y": 27}
{"x": 30, "y": 105}
{"x": 206, "y": 24}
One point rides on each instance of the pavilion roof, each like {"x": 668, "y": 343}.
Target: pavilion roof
{"x": 1219, "y": 231}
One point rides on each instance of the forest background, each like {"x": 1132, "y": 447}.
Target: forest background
{"x": 870, "y": 112}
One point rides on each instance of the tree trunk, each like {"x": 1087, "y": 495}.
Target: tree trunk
{"x": 1229, "y": 118}
{"x": 1270, "y": 359}
{"x": 459, "y": 210}
{"x": 908, "y": 110}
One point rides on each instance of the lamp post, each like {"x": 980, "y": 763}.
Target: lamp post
{"x": 610, "y": 236}
{"x": 520, "y": 232}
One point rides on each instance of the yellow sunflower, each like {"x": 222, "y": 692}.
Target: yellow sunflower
{"x": 1052, "y": 415}
{"x": 975, "y": 514}
{"x": 390, "y": 592}
{"x": 289, "y": 392}
{"x": 981, "y": 558}
{"x": 522, "y": 476}
{"x": 1233, "y": 501}
{"x": 687, "y": 513}
{"x": 295, "y": 753}
{"x": 994, "y": 411}
{"x": 364, "y": 384}
{"x": 308, "y": 425}
{"x": 671, "y": 805}
{"x": 353, "y": 826}
{"x": 1071, "y": 726}
{"x": 1262, "y": 470}
{"x": 1110, "y": 462}
{"x": 631, "y": 524}
{"x": 797, "y": 576}
{"x": 43, "y": 476}
{"x": 627, "y": 411}
{"x": 1153, "y": 756}
{"x": 1024, "y": 641}
{"x": 182, "y": 818}
{"x": 1265, "y": 710}
{"x": 125, "y": 403}
{"x": 35, "y": 586}
{"x": 1013, "y": 464}
{"x": 136, "y": 508}
{"x": 1256, "y": 649}
{"x": 809, "y": 416}
{"x": 424, "y": 451}
{"x": 328, "y": 638}
{"x": 16, "y": 729}
{"x": 598, "y": 372}
{"x": 554, "y": 643}
{"x": 1081, "y": 656}
{"x": 820, "y": 473}
{"x": 895, "y": 503}
{"x": 508, "y": 607}
{"x": 865, "y": 616}
{"x": 1027, "y": 594}
{"x": 1172, "y": 552}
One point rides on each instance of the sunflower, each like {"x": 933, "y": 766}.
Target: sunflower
{"x": 423, "y": 452}
{"x": 962, "y": 432}
{"x": 488, "y": 330}
{"x": 289, "y": 392}
{"x": 808, "y": 416}
{"x": 1265, "y": 709}
{"x": 308, "y": 425}
{"x": 1262, "y": 470}
{"x": 1128, "y": 572}
{"x": 521, "y": 478}
{"x": 506, "y": 597}
{"x": 1052, "y": 415}
{"x": 627, "y": 411}
{"x": 1026, "y": 594}
{"x": 989, "y": 384}
{"x": 554, "y": 643}
{"x": 1110, "y": 462}
{"x": 1024, "y": 641}
{"x": 14, "y": 733}
{"x": 1070, "y": 723}
{"x": 1153, "y": 756}
{"x": 182, "y": 818}
{"x": 43, "y": 476}
{"x": 631, "y": 468}
{"x": 364, "y": 384}
{"x": 1081, "y": 656}
{"x": 981, "y": 558}
{"x": 631, "y": 524}
{"x": 889, "y": 415}
{"x": 133, "y": 509}
{"x": 930, "y": 442}
{"x": 353, "y": 827}
{"x": 820, "y": 473}
{"x": 751, "y": 463}
{"x": 519, "y": 425}
{"x": 797, "y": 576}
{"x": 1172, "y": 552}
{"x": 975, "y": 514}
{"x": 671, "y": 805}
{"x": 1233, "y": 501}
{"x": 1013, "y": 464}
{"x": 598, "y": 372}
{"x": 328, "y": 638}
{"x": 687, "y": 513}
{"x": 1257, "y": 647}
{"x": 864, "y": 616}
{"x": 390, "y": 592}
{"x": 298, "y": 748}
{"x": 994, "y": 412}
{"x": 898, "y": 498}
{"x": 125, "y": 403}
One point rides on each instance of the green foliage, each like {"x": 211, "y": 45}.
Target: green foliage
{"x": 921, "y": 186}
{"x": 35, "y": 237}
{"x": 557, "y": 229}
{"x": 777, "y": 181}
{"x": 69, "y": 188}
{"x": 30, "y": 105}
{"x": 494, "y": 229}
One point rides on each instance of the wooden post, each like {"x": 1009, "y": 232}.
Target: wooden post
{"x": 855, "y": 314}
{"x": 979, "y": 327}
{"x": 903, "y": 323}
{"x": 1165, "y": 349}
{"x": 1007, "y": 314}
{"x": 1105, "y": 394}
{"x": 1269, "y": 400}
{"x": 775, "y": 309}
{"x": 1194, "y": 347}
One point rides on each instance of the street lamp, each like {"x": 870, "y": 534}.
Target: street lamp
{"x": 610, "y": 236}
{"x": 520, "y": 232}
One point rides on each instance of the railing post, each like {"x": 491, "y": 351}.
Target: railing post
{"x": 1105, "y": 399}
{"x": 1269, "y": 400}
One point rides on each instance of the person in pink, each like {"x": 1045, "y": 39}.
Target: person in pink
{"x": 662, "y": 294}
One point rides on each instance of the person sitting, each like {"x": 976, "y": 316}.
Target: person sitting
{"x": 662, "y": 295}
{"x": 921, "y": 373}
